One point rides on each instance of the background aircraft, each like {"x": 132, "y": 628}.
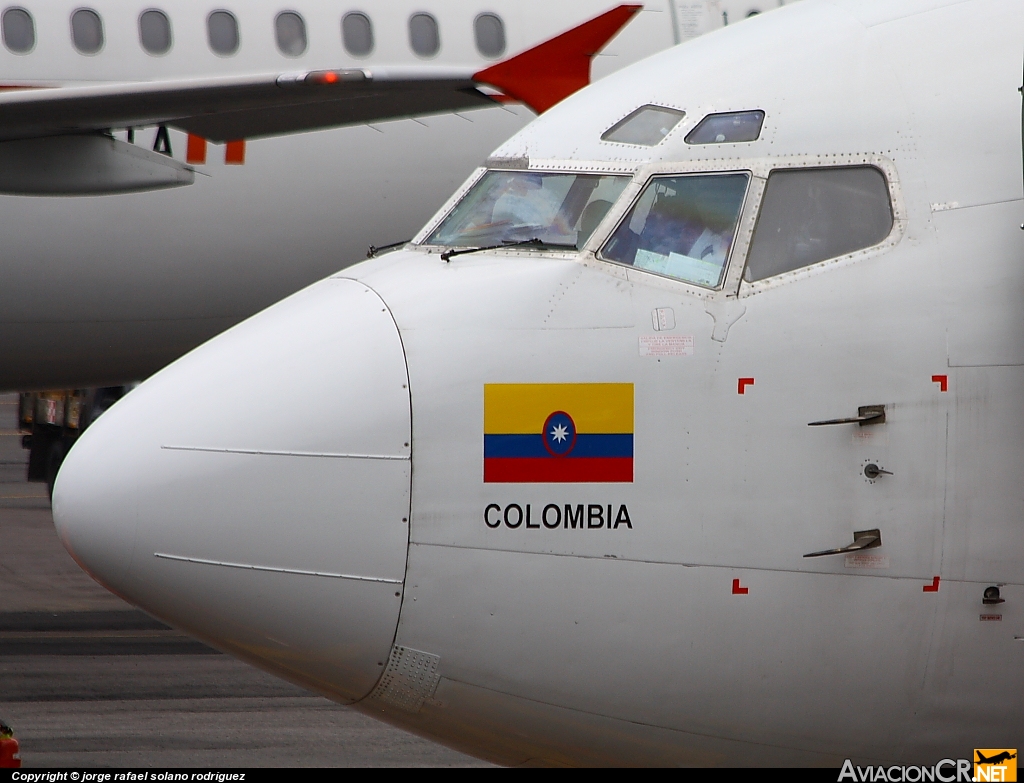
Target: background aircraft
{"x": 551, "y": 505}
{"x": 106, "y": 290}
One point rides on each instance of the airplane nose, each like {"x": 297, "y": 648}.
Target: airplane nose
{"x": 256, "y": 492}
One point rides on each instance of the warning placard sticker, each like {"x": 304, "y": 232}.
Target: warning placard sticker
{"x": 866, "y": 560}
{"x": 666, "y": 345}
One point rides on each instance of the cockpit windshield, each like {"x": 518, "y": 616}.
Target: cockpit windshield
{"x": 682, "y": 227}
{"x": 507, "y": 207}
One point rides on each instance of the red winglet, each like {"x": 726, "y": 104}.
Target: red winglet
{"x": 549, "y": 72}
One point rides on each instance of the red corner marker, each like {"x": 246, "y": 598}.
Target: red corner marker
{"x": 933, "y": 587}
{"x": 737, "y": 590}
{"x": 549, "y": 72}
{"x": 741, "y": 387}
{"x": 942, "y": 380}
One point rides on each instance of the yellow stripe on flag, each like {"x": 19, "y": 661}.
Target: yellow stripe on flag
{"x": 522, "y": 408}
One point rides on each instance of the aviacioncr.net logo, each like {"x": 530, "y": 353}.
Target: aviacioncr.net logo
{"x": 946, "y": 771}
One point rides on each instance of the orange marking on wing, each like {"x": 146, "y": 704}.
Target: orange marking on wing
{"x": 196, "y": 151}
{"x": 234, "y": 154}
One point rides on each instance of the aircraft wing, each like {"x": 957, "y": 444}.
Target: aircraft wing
{"x": 228, "y": 108}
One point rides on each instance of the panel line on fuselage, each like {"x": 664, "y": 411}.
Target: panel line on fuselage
{"x": 273, "y": 569}
{"x": 623, "y": 559}
{"x": 275, "y": 453}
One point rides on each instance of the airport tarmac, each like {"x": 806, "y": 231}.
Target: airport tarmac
{"x": 86, "y": 680}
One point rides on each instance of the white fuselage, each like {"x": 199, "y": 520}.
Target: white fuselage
{"x": 107, "y": 289}
{"x": 353, "y": 543}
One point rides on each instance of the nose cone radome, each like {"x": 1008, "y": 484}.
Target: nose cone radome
{"x": 256, "y": 492}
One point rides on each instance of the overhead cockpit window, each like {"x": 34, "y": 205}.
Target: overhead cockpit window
{"x": 155, "y": 31}
{"x": 490, "y": 35}
{"x": 646, "y": 126}
{"x": 727, "y": 128}
{"x": 681, "y": 226}
{"x": 357, "y": 34}
{"x": 222, "y": 31}
{"x": 19, "y": 31}
{"x": 811, "y": 215}
{"x": 290, "y": 31}
{"x": 87, "y": 31}
{"x": 424, "y": 37}
{"x": 508, "y": 207}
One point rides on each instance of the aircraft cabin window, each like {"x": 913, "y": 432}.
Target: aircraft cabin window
{"x": 290, "y": 30}
{"x": 811, "y": 215}
{"x": 222, "y": 32}
{"x": 155, "y": 31}
{"x": 682, "y": 226}
{"x": 727, "y": 128}
{"x": 87, "y": 31}
{"x": 19, "y": 30}
{"x": 646, "y": 126}
{"x": 357, "y": 34}
{"x": 490, "y": 35}
{"x": 505, "y": 207}
{"x": 424, "y": 37}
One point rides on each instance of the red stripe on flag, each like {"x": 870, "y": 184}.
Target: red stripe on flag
{"x": 235, "y": 153}
{"x": 196, "y": 151}
{"x": 554, "y": 470}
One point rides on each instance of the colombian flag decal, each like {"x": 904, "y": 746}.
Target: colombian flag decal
{"x": 558, "y": 432}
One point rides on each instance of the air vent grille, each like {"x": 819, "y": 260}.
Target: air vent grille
{"x": 409, "y": 679}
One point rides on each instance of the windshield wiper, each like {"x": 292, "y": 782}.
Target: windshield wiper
{"x": 373, "y": 251}
{"x": 534, "y": 242}
{"x": 554, "y": 245}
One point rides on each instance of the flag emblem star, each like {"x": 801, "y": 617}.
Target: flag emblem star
{"x": 560, "y": 433}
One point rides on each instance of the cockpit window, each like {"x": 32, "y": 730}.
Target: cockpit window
{"x": 682, "y": 227}
{"x": 727, "y": 128}
{"x": 646, "y": 126}
{"x": 504, "y": 207}
{"x": 811, "y": 215}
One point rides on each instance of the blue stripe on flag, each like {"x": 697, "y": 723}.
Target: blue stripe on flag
{"x": 617, "y": 445}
